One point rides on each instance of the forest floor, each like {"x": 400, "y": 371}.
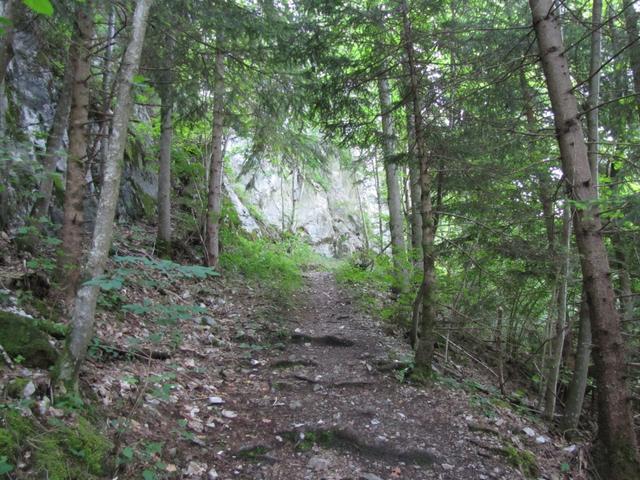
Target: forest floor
{"x": 304, "y": 387}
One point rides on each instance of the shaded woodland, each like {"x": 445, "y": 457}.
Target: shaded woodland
{"x": 477, "y": 163}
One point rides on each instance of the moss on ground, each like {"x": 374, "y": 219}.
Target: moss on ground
{"x": 523, "y": 460}
{"x": 21, "y": 338}
{"x": 59, "y": 451}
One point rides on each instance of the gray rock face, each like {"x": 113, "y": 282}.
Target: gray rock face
{"x": 326, "y": 215}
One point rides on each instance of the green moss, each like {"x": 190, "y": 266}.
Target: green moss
{"x": 20, "y": 336}
{"x": 55, "y": 329}
{"x": 60, "y": 452}
{"x": 14, "y": 431}
{"x": 523, "y": 460}
{"x": 422, "y": 375}
{"x": 16, "y": 386}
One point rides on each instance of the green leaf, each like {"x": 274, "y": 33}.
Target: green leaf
{"x": 127, "y": 453}
{"x": 5, "y": 466}
{"x": 149, "y": 475}
{"x": 42, "y": 7}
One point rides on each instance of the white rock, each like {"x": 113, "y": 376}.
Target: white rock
{"x": 541, "y": 439}
{"x": 570, "y": 448}
{"x": 318, "y": 464}
{"x": 229, "y": 414}
{"x": 215, "y": 401}
{"x": 212, "y": 474}
{"x": 195, "y": 469}
{"x": 368, "y": 476}
{"x": 446, "y": 466}
{"x": 529, "y": 432}
{"x": 28, "y": 390}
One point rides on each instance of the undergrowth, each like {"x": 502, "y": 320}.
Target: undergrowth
{"x": 372, "y": 276}
{"x": 275, "y": 266}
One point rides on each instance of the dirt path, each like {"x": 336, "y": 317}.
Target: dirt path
{"x": 321, "y": 409}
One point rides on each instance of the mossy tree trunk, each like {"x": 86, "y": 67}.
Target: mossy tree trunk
{"x": 620, "y": 459}
{"x": 82, "y": 327}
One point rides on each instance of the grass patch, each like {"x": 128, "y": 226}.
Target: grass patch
{"x": 275, "y": 266}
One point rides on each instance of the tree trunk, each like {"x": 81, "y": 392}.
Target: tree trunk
{"x": 107, "y": 86}
{"x": 557, "y": 344}
{"x": 214, "y": 204}
{"x": 164, "y": 177}
{"x": 631, "y": 25}
{"x": 426, "y": 343}
{"x": 54, "y": 145}
{"x": 414, "y": 188}
{"x": 71, "y": 360}
{"x": 620, "y": 455}
{"x": 376, "y": 176}
{"x": 594, "y": 90}
{"x": 578, "y": 384}
{"x": 394, "y": 197}
{"x": 70, "y": 256}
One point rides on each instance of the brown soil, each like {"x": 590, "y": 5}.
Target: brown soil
{"x": 309, "y": 392}
{"x": 313, "y": 405}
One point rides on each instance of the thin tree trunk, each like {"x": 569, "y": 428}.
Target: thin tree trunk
{"x": 214, "y": 204}
{"x": 363, "y": 217}
{"x": 414, "y": 174}
{"x": 376, "y": 175}
{"x": 394, "y": 197}
{"x": 54, "y": 147}
{"x": 620, "y": 454}
{"x": 426, "y": 343}
{"x": 83, "y": 320}
{"x": 594, "y": 89}
{"x": 69, "y": 260}
{"x": 500, "y": 348}
{"x": 631, "y": 25}
{"x": 578, "y": 384}
{"x": 107, "y": 86}
{"x": 557, "y": 344}
{"x": 164, "y": 177}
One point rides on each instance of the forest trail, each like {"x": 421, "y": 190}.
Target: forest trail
{"x": 321, "y": 408}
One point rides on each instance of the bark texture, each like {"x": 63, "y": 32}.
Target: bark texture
{"x": 69, "y": 260}
{"x": 631, "y": 25}
{"x": 620, "y": 456}
{"x": 414, "y": 175}
{"x": 557, "y": 343}
{"x": 394, "y": 196}
{"x": 85, "y": 303}
{"x": 426, "y": 343}
{"x": 164, "y": 178}
{"x": 214, "y": 202}
{"x": 578, "y": 383}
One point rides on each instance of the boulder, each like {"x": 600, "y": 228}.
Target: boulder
{"x": 20, "y": 336}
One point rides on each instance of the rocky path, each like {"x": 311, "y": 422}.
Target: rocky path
{"x": 321, "y": 408}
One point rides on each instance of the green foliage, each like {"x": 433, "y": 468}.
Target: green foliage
{"x": 42, "y": 7}
{"x": 164, "y": 314}
{"x": 276, "y": 266}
